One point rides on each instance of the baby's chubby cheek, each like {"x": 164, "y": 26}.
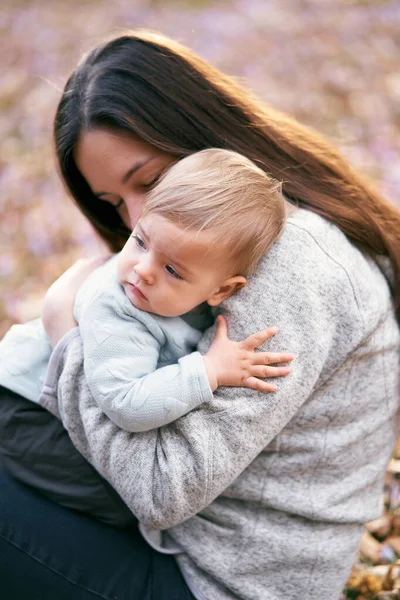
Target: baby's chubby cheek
{"x": 170, "y": 305}
{"x": 122, "y": 266}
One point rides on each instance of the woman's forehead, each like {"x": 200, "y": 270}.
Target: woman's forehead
{"x": 104, "y": 145}
{"x": 102, "y": 155}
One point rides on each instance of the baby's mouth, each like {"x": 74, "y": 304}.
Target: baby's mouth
{"x": 135, "y": 290}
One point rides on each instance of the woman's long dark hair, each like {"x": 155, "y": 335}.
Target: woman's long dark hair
{"x": 153, "y": 87}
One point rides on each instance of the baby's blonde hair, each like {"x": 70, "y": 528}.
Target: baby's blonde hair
{"x": 222, "y": 191}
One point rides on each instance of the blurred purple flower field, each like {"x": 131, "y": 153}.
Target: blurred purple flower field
{"x": 333, "y": 64}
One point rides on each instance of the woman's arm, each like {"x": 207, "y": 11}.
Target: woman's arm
{"x": 169, "y": 474}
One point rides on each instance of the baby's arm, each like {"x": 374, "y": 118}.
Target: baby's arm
{"x": 121, "y": 353}
{"x": 122, "y": 348}
{"x": 121, "y": 356}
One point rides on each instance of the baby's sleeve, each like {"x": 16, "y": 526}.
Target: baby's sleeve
{"x": 25, "y": 351}
{"x": 121, "y": 352}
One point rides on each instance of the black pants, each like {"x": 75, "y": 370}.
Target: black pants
{"x": 50, "y": 552}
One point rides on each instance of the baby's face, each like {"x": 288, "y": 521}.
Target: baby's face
{"x": 167, "y": 270}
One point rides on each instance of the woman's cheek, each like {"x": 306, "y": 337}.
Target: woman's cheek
{"x": 123, "y": 213}
{"x": 130, "y": 211}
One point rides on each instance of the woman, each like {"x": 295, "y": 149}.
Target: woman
{"x": 259, "y": 497}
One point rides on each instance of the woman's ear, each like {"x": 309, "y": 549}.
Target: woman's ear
{"x": 228, "y": 288}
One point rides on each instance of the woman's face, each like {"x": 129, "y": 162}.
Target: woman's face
{"x": 120, "y": 169}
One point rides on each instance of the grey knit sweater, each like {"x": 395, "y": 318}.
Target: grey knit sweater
{"x": 265, "y": 494}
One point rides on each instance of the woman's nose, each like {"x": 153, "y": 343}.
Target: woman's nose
{"x": 130, "y": 211}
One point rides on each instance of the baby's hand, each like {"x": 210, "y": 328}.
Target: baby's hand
{"x": 237, "y": 364}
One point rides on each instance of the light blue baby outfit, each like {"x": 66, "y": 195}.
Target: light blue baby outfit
{"x": 141, "y": 368}
{"x": 24, "y": 355}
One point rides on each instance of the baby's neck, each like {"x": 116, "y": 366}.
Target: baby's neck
{"x": 199, "y": 309}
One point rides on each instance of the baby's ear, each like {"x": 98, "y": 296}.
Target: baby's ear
{"x": 228, "y": 288}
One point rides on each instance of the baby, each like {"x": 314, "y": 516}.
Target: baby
{"x": 202, "y": 230}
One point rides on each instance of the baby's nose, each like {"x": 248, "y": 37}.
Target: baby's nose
{"x": 145, "y": 271}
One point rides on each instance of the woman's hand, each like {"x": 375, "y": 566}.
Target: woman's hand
{"x": 58, "y": 306}
{"x": 237, "y": 364}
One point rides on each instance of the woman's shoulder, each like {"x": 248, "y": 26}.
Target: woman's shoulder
{"x": 315, "y": 234}
{"x": 314, "y": 264}
{"x": 313, "y": 246}
{"x": 309, "y": 246}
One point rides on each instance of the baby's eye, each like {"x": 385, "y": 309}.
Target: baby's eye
{"x": 172, "y": 272}
{"x": 139, "y": 242}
